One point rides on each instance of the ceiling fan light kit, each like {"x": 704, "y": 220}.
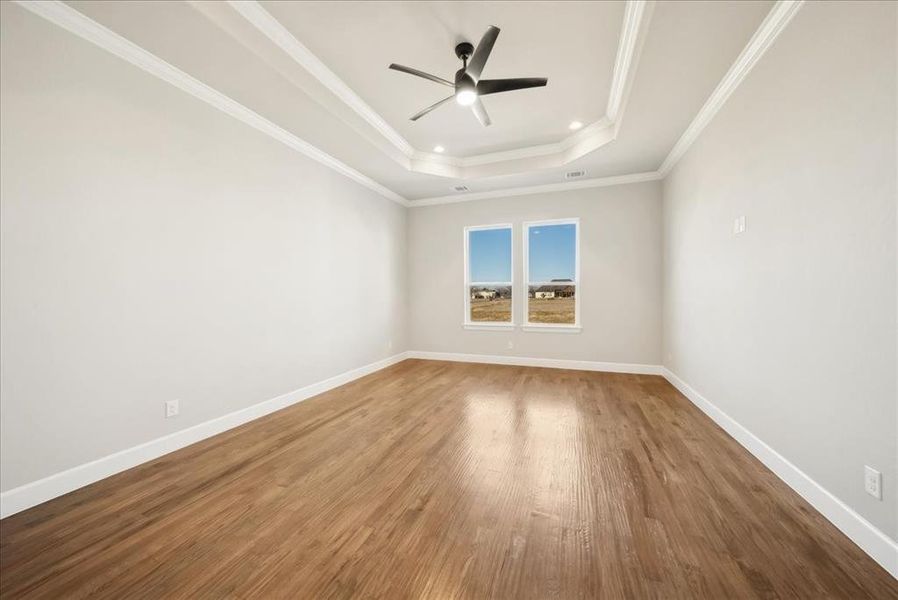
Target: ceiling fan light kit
{"x": 468, "y": 86}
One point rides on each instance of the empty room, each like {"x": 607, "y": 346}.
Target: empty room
{"x": 476, "y": 300}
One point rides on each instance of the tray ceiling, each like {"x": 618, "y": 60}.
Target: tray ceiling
{"x": 574, "y": 44}
{"x": 639, "y": 75}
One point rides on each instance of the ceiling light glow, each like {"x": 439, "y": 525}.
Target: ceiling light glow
{"x": 575, "y": 125}
{"x": 439, "y": 149}
{"x": 466, "y": 97}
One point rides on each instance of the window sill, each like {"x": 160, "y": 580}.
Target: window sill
{"x": 553, "y": 328}
{"x": 489, "y": 326}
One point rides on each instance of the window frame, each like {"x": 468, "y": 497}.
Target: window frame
{"x": 574, "y": 327}
{"x": 487, "y": 325}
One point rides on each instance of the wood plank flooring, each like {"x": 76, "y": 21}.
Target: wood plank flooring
{"x": 447, "y": 480}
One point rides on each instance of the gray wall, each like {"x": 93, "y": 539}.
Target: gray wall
{"x": 154, "y": 248}
{"x": 620, "y": 275}
{"x": 790, "y": 328}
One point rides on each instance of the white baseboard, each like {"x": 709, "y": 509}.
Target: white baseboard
{"x": 36, "y": 492}
{"x": 880, "y": 547}
{"x": 871, "y": 540}
{"x": 551, "y": 363}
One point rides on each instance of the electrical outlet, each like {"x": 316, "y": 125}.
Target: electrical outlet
{"x": 389, "y": 344}
{"x": 873, "y": 482}
{"x": 172, "y": 408}
{"x": 739, "y": 224}
{"x": 510, "y": 345}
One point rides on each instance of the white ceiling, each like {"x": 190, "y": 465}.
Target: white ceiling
{"x": 572, "y": 43}
{"x": 318, "y": 70}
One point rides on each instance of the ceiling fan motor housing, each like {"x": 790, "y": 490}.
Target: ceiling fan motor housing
{"x": 464, "y": 81}
{"x": 464, "y": 50}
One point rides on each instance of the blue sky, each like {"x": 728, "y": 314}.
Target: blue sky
{"x": 490, "y": 255}
{"x": 553, "y": 251}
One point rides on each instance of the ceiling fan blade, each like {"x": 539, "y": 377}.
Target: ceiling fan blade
{"x": 482, "y": 52}
{"x": 495, "y": 86}
{"x": 480, "y": 113}
{"x": 418, "y": 73}
{"x": 431, "y": 107}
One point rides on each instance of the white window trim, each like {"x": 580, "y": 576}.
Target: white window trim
{"x": 467, "y": 323}
{"x": 551, "y": 327}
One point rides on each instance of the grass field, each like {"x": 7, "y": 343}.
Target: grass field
{"x": 491, "y": 310}
{"x": 552, "y": 310}
{"x": 542, "y": 310}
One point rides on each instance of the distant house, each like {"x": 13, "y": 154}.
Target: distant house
{"x": 502, "y": 292}
{"x": 483, "y": 294}
{"x": 553, "y": 291}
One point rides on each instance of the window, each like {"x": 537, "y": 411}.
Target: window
{"x": 552, "y": 271}
{"x": 488, "y": 276}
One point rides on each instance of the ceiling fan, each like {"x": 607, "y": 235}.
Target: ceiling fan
{"x": 468, "y": 86}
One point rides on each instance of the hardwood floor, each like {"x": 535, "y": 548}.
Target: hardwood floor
{"x": 447, "y": 480}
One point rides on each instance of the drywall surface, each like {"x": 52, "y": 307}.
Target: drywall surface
{"x": 154, "y": 248}
{"x": 620, "y": 275}
{"x": 790, "y": 327}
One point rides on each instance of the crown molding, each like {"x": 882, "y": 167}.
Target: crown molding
{"x": 636, "y": 18}
{"x": 772, "y": 26}
{"x": 627, "y": 53}
{"x": 583, "y": 136}
{"x": 540, "y": 189}
{"x": 71, "y": 20}
{"x": 262, "y": 20}
{"x": 577, "y": 145}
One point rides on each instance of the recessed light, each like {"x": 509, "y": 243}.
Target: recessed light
{"x": 575, "y": 125}
{"x": 439, "y": 149}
